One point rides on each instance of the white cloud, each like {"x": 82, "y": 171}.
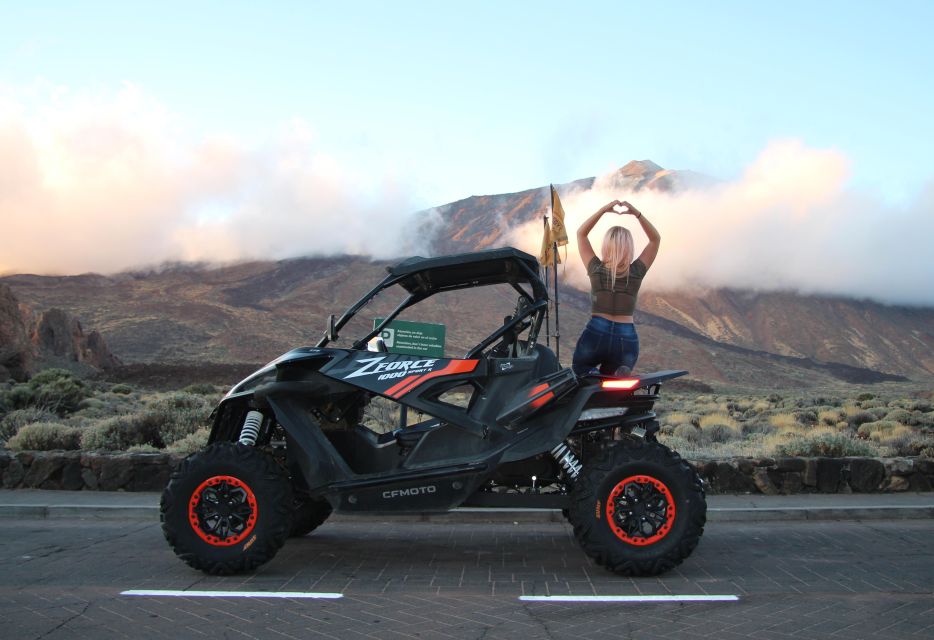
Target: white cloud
{"x": 790, "y": 222}
{"x": 103, "y": 182}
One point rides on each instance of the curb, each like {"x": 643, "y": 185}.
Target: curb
{"x": 494, "y": 516}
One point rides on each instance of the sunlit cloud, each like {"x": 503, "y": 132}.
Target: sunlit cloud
{"x": 108, "y": 181}
{"x": 790, "y": 222}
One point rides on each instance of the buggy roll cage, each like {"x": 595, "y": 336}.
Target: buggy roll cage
{"x": 425, "y": 277}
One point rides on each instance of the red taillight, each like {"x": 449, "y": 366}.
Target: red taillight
{"x": 627, "y": 383}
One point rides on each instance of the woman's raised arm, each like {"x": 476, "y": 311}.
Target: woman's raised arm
{"x": 655, "y": 238}
{"x": 583, "y": 243}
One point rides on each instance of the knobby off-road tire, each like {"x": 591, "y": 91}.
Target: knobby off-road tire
{"x": 307, "y": 515}
{"x": 227, "y": 509}
{"x": 638, "y": 509}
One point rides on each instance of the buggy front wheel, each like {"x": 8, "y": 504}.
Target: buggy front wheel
{"x": 638, "y": 509}
{"x": 227, "y": 509}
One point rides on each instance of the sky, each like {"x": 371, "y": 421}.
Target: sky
{"x": 200, "y": 130}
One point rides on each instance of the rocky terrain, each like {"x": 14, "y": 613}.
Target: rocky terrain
{"x": 31, "y": 340}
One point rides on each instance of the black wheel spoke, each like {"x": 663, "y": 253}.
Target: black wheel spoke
{"x": 640, "y": 509}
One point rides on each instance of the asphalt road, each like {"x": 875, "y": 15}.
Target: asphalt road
{"x": 402, "y": 579}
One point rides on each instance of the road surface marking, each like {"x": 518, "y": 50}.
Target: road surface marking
{"x": 230, "y": 594}
{"x": 687, "y": 598}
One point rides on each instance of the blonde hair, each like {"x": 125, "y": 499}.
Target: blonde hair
{"x": 617, "y": 252}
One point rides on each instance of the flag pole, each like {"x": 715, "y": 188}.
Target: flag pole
{"x": 545, "y": 270}
{"x": 555, "y": 249}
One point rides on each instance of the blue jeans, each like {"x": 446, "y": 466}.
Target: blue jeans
{"x": 613, "y": 347}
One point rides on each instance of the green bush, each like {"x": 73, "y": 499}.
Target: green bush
{"x": 908, "y": 444}
{"x": 106, "y": 405}
{"x": 865, "y": 396}
{"x": 806, "y": 417}
{"x": 56, "y": 390}
{"x": 179, "y": 414}
{"x": 192, "y": 442}
{"x": 121, "y": 389}
{"x": 900, "y": 415}
{"x": 18, "y": 396}
{"x": 831, "y": 445}
{"x": 14, "y": 420}
{"x": 688, "y": 432}
{"x": 45, "y": 436}
{"x": 119, "y": 433}
{"x": 860, "y": 418}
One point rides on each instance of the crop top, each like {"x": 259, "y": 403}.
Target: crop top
{"x": 621, "y": 300}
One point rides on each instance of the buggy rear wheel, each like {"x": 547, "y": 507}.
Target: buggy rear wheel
{"x": 638, "y": 509}
{"x": 227, "y": 509}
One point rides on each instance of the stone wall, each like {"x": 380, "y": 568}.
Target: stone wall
{"x": 76, "y": 470}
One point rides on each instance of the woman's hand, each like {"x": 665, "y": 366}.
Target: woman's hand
{"x": 629, "y": 209}
{"x": 610, "y": 206}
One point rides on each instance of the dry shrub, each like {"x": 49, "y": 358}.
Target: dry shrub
{"x": 192, "y": 442}
{"x": 15, "y": 420}
{"x": 823, "y": 443}
{"x": 679, "y": 417}
{"x": 119, "y": 433}
{"x": 887, "y": 436}
{"x": 859, "y": 418}
{"x": 900, "y": 415}
{"x": 45, "y": 436}
{"x": 761, "y": 405}
{"x": 688, "y": 432}
{"x": 178, "y": 415}
{"x": 831, "y": 417}
{"x": 719, "y": 427}
{"x": 868, "y": 429}
{"x": 785, "y": 422}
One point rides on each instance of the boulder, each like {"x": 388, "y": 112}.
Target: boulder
{"x": 764, "y": 482}
{"x": 16, "y": 351}
{"x": 897, "y": 483}
{"x": 116, "y": 472}
{"x": 866, "y": 475}
{"x": 829, "y": 475}
{"x": 809, "y": 476}
{"x": 44, "y": 471}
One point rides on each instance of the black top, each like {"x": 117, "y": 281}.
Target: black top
{"x": 479, "y": 268}
{"x": 619, "y": 300}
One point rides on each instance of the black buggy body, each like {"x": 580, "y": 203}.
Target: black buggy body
{"x": 503, "y": 426}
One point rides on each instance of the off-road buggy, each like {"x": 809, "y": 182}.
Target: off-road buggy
{"x": 504, "y": 426}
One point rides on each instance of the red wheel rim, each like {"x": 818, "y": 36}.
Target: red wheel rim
{"x": 640, "y": 510}
{"x": 222, "y": 511}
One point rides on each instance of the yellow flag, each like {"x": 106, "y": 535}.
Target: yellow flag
{"x": 546, "y": 255}
{"x": 559, "y": 233}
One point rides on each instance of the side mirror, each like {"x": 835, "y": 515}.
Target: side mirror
{"x": 332, "y": 329}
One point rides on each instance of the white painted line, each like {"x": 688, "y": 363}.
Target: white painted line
{"x": 158, "y": 593}
{"x": 688, "y": 598}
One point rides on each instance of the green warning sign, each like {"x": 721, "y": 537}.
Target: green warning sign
{"x": 414, "y": 338}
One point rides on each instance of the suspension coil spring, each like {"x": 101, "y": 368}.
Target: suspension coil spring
{"x": 251, "y": 427}
{"x": 567, "y": 459}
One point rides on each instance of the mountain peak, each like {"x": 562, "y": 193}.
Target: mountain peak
{"x": 639, "y": 168}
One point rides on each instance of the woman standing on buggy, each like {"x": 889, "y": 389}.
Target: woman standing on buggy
{"x": 609, "y": 343}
